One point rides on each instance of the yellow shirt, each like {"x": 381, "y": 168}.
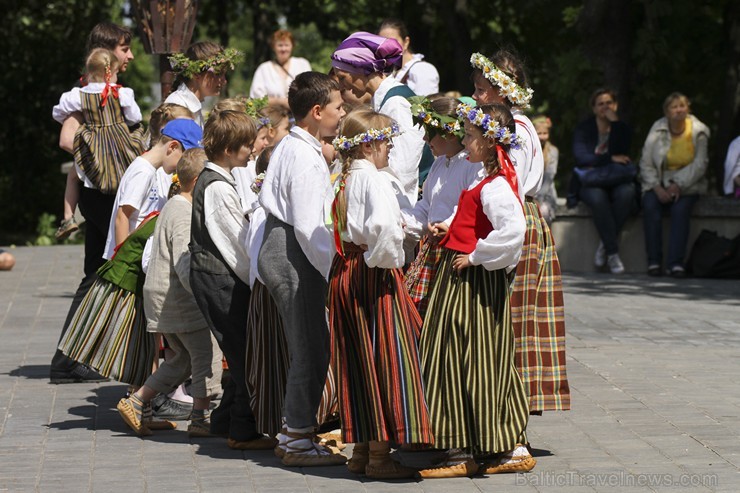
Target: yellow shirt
{"x": 681, "y": 152}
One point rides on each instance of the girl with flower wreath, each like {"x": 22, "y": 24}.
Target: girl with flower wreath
{"x": 537, "y": 309}
{"x": 375, "y": 326}
{"x": 201, "y": 72}
{"x": 477, "y": 402}
{"x": 110, "y": 136}
{"x": 450, "y": 174}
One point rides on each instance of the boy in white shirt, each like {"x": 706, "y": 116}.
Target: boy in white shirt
{"x": 296, "y": 255}
{"x": 139, "y": 183}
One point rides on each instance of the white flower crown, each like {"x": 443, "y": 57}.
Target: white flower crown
{"x": 517, "y": 95}
{"x": 491, "y": 128}
{"x": 342, "y": 143}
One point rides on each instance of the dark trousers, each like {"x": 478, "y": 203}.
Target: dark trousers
{"x": 610, "y": 208}
{"x": 224, "y": 301}
{"x": 300, "y": 293}
{"x": 96, "y": 208}
{"x": 680, "y": 212}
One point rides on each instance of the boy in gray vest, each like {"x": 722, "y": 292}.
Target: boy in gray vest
{"x": 219, "y": 268}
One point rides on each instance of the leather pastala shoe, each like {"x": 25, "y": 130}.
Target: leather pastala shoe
{"x": 79, "y": 374}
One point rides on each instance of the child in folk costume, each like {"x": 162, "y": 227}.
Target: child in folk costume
{"x": 219, "y": 268}
{"x": 537, "y": 310}
{"x": 267, "y": 359}
{"x": 375, "y": 326}
{"x": 171, "y": 310}
{"x": 107, "y": 143}
{"x": 201, "y": 72}
{"x": 108, "y": 330}
{"x": 477, "y": 402}
{"x": 296, "y": 255}
{"x": 451, "y": 173}
{"x": 547, "y": 196}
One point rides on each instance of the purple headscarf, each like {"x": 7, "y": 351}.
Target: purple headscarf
{"x": 366, "y": 53}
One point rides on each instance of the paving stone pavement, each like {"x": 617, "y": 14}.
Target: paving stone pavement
{"x": 653, "y": 366}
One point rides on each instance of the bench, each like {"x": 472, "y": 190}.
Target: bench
{"x": 576, "y": 238}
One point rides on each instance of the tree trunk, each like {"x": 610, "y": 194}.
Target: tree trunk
{"x": 606, "y": 30}
{"x": 729, "y": 119}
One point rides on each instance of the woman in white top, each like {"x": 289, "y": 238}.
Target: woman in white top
{"x": 201, "y": 72}
{"x": 363, "y": 63}
{"x": 273, "y": 78}
{"x": 421, "y": 77}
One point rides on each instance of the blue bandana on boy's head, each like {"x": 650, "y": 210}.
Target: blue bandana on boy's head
{"x": 185, "y": 131}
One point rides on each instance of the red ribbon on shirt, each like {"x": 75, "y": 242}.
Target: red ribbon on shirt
{"x": 110, "y": 89}
{"x": 507, "y": 170}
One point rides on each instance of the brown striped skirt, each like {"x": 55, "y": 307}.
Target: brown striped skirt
{"x": 421, "y": 273}
{"x": 375, "y": 330}
{"x": 476, "y": 399}
{"x": 267, "y": 363}
{"x": 108, "y": 333}
{"x": 538, "y": 317}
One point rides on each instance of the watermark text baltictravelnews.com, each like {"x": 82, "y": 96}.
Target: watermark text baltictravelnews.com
{"x": 621, "y": 479}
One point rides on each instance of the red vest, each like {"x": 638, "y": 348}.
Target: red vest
{"x": 470, "y": 223}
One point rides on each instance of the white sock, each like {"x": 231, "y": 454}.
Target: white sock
{"x": 180, "y": 394}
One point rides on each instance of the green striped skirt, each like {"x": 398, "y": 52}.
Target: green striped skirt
{"x": 538, "y": 317}
{"x": 108, "y": 333}
{"x": 267, "y": 363}
{"x": 476, "y": 399}
{"x": 375, "y": 330}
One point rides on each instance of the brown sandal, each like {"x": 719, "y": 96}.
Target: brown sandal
{"x": 381, "y": 466}
{"x": 360, "y": 458}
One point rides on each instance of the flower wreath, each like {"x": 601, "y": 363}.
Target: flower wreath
{"x": 256, "y": 185}
{"x": 254, "y": 106}
{"x": 491, "y": 128}
{"x": 517, "y": 95}
{"x": 218, "y": 63}
{"x": 433, "y": 122}
{"x": 342, "y": 143}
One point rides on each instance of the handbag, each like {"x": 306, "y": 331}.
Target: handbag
{"x": 715, "y": 256}
{"x": 609, "y": 175}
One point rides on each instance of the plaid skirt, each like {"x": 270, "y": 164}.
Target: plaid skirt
{"x": 267, "y": 363}
{"x": 375, "y": 330}
{"x": 476, "y": 399}
{"x": 108, "y": 333}
{"x": 538, "y": 317}
{"x": 421, "y": 273}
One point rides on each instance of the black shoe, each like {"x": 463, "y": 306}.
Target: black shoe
{"x": 79, "y": 374}
{"x": 165, "y": 408}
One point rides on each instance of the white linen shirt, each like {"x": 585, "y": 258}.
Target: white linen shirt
{"x": 528, "y": 161}
{"x": 187, "y": 98}
{"x": 502, "y": 247}
{"x": 71, "y": 102}
{"x": 244, "y": 178}
{"x": 297, "y": 190}
{"x": 447, "y": 178}
{"x": 423, "y": 77}
{"x": 407, "y": 148}
{"x": 225, "y": 222}
{"x": 270, "y": 80}
{"x": 254, "y": 242}
{"x": 373, "y": 216}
